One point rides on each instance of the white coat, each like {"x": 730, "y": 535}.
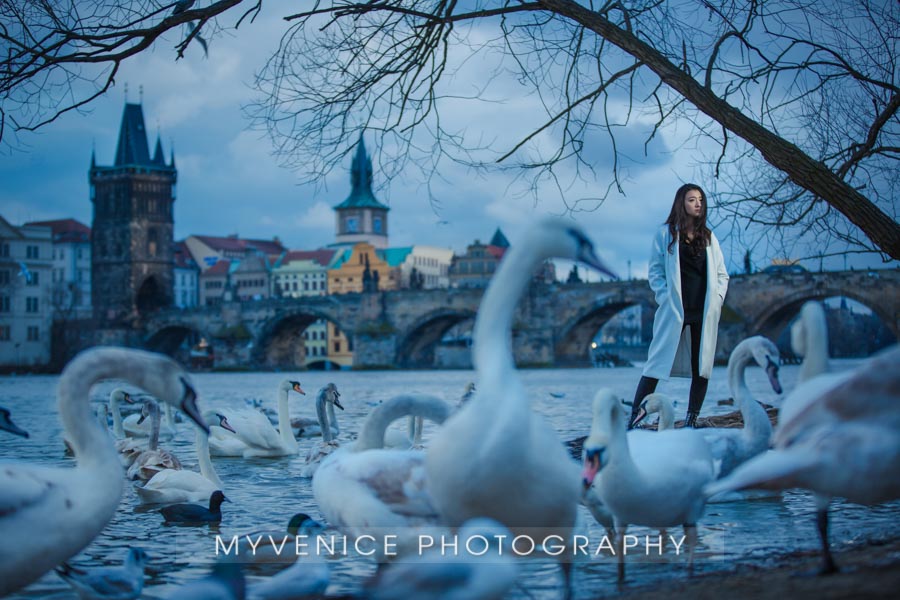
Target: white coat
{"x": 669, "y": 354}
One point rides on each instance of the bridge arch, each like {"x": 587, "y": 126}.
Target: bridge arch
{"x": 280, "y": 344}
{"x": 778, "y": 314}
{"x": 572, "y": 346}
{"x": 169, "y": 338}
{"x": 416, "y": 348}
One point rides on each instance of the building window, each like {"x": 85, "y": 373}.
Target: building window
{"x": 376, "y": 224}
{"x": 352, "y": 224}
{"x": 151, "y": 242}
{"x": 4, "y": 333}
{"x": 337, "y": 346}
{"x": 4, "y": 277}
{"x": 34, "y": 333}
{"x": 31, "y": 305}
{"x": 31, "y": 252}
{"x": 33, "y": 279}
{"x": 4, "y": 304}
{"x": 4, "y": 250}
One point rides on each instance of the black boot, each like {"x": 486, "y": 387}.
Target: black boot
{"x": 695, "y": 400}
{"x": 646, "y": 386}
{"x": 691, "y": 419}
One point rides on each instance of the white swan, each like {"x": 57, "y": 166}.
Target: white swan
{"x": 646, "y": 478}
{"x": 171, "y": 485}
{"x": 411, "y": 440}
{"x": 809, "y": 339}
{"x": 496, "y": 458}
{"x": 660, "y": 404}
{"x": 153, "y": 459}
{"x": 256, "y": 432}
{"x": 127, "y": 448}
{"x": 839, "y": 435}
{"x": 364, "y": 489}
{"x": 6, "y": 424}
{"x": 135, "y": 426}
{"x": 732, "y": 446}
{"x": 49, "y": 514}
{"x": 317, "y": 452}
{"x": 309, "y": 427}
{"x": 108, "y": 583}
{"x": 445, "y": 575}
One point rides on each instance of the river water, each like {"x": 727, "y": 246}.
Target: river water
{"x": 264, "y": 493}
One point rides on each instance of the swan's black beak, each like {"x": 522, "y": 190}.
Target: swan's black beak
{"x": 587, "y": 255}
{"x": 6, "y": 424}
{"x": 141, "y": 419}
{"x": 189, "y": 406}
{"x": 337, "y": 402}
{"x": 772, "y": 372}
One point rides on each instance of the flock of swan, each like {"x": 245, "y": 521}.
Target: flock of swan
{"x": 493, "y": 467}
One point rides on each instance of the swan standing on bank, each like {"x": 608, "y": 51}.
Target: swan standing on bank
{"x": 182, "y": 485}
{"x": 6, "y": 424}
{"x": 495, "y": 457}
{"x": 365, "y": 489}
{"x": 838, "y": 435}
{"x": 327, "y": 395}
{"x": 48, "y": 515}
{"x": 646, "y": 478}
{"x": 260, "y": 438}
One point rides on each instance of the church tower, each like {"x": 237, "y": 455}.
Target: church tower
{"x": 132, "y": 233}
{"x": 361, "y": 218}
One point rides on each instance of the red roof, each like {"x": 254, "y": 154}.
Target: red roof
{"x": 220, "y": 268}
{"x": 183, "y": 259}
{"x": 496, "y": 251}
{"x": 236, "y": 244}
{"x": 321, "y": 256}
{"x": 65, "y": 230}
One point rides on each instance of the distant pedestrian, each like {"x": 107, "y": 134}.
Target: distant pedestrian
{"x": 687, "y": 274}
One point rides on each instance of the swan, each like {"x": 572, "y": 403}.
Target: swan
{"x": 260, "y": 438}
{"x": 434, "y": 575}
{"x": 307, "y": 427}
{"x": 364, "y": 489}
{"x": 646, "y": 478}
{"x": 6, "y": 424}
{"x": 171, "y": 485}
{"x": 496, "y": 458}
{"x": 411, "y": 440}
{"x": 838, "y": 435}
{"x": 108, "y": 583}
{"x": 127, "y": 448}
{"x": 154, "y": 459}
{"x": 731, "y": 446}
{"x": 48, "y": 515}
{"x": 327, "y": 395}
{"x": 137, "y": 426}
{"x": 809, "y": 339}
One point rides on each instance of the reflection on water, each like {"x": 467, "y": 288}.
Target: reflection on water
{"x": 265, "y": 493}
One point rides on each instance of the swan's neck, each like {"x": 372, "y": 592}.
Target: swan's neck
{"x": 756, "y": 421}
{"x": 153, "y": 444}
{"x": 414, "y": 429}
{"x": 170, "y": 416}
{"x": 492, "y": 348}
{"x": 666, "y": 416}
{"x": 118, "y": 428}
{"x": 284, "y": 420}
{"x": 371, "y": 436}
{"x": 620, "y": 461}
{"x": 201, "y": 442}
{"x": 92, "y": 446}
{"x": 815, "y": 361}
{"x": 323, "y": 418}
{"x": 332, "y": 419}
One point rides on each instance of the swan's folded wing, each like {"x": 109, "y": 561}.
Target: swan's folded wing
{"x": 401, "y": 487}
{"x": 772, "y": 471}
{"x": 20, "y": 489}
{"x": 253, "y": 428}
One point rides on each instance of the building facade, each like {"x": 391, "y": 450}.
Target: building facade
{"x": 26, "y": 268}
{"x": 70, "y": 281}
{"x": 132, "y": 244}
{"x": 476, "y": 267}
{"x": 425, "y": 267}
{"x": 206, "y": 250}
{"x": 187, "y": 273}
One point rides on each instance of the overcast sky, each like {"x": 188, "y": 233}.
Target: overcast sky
{"x": 230, "y": 182}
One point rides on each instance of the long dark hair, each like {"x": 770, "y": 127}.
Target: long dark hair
{"x": 679, "y": 220}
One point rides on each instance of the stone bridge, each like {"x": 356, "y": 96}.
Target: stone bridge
{"x": 553, "y": 325}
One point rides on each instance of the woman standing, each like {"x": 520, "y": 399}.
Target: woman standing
{"x": 687, "y": 274}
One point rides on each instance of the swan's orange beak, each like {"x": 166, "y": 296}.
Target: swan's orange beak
{"x": 592, "y": 464}
{"x": 296, "y": 387}
{"x": 224, "y": 424}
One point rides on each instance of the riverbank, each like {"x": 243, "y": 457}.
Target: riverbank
{"x": 868, "y": 570}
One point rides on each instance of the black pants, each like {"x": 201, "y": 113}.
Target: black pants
{"x": 699, "y": 385}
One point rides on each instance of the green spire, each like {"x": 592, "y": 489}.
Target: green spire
{"x": 361, "y": 195}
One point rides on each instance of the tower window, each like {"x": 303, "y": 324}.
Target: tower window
{"x": 376, "y": 224}
{"x": 352, "y": 224}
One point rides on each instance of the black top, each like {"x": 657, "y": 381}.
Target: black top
{"x": 692, "y": 259}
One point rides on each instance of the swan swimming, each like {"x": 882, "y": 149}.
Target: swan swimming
{"x": 181, "y": 485}
{"x": 327, "y": 395}
{"x": 260, "y": 438}
{"x": 646, "y": 478}
{"x": 136, "y": 426}
{"x": 47, "y": 515}
{"x": 495, "y": 457}
{"x": 153, "y": 459}
{"x": 307, "y": 427}
{"x": 365, "y": 489}
{"x": 839, "y": 435}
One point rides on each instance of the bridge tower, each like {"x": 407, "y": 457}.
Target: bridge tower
{"x": 361, "y": 217}
{"x": 132, "y": 244}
